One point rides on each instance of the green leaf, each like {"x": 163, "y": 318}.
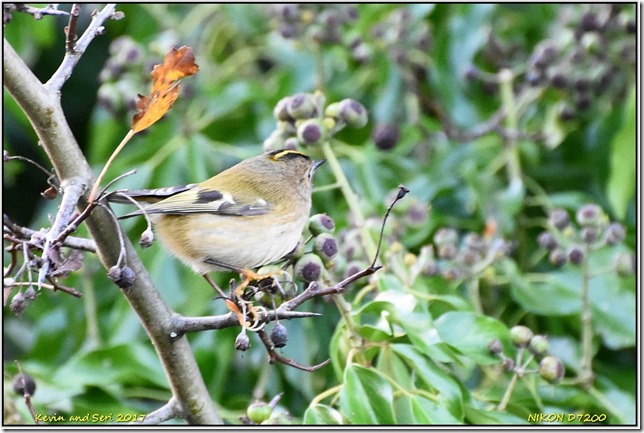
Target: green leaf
{"x": 108, "y": 366}
{"x": 470, "y": 333}
{"x": 366, "y": 397}
{"x": 621, "y": 183}
{"x": 322, "y": 414}
{"x": 416, "y": 409}
{"x": 437, "y": 379}
{"x": 478, "y": 416}
{"x": 554, "y": 293}
{"x": 612, "y": 300}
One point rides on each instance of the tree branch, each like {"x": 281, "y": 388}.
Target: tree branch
{"x": 182, "y": 324}
{"x": 42, "y": 107}
{"x": 26, "y": 234}
{"x": 71, "y": 58}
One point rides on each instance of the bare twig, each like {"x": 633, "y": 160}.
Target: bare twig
{"x": 69, "y": 290}
{"x": 26, "y": 234}
{"x": 12, "y": 249}
{"x": 122, "y": 252}
{"x": 38, "y": 13}
{"x": 274, "y": 356}
{"x": 26, "y": 394}
{"x": 70, "y": 60}
{"x": 70, "y": 30}
{"x": 30, "y": 161}
{"x": 402, "y": 191}
{"x": 72, "y": 188}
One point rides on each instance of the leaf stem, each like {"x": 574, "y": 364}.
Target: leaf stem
{"x": 350, "y": 197}
{"x": 511, "y": 123}
{"x": 508, "y": 392}
{"x": 118, "y": 149}
{"x": 585, "y": 376}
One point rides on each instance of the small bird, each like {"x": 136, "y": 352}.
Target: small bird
{"x": 245, "y": 217}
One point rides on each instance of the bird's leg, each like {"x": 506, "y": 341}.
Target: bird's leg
{"x": 215, "y": 286}
{"x": 248, "y": 275}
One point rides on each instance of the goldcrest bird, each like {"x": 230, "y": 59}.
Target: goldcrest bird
{"x": 247, "y": 216}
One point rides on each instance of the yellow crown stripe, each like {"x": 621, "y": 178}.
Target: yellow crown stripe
{"x": 285, "y": 153}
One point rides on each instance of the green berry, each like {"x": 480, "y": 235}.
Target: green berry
{"x": 321, "y": 223}
{"x": 301, "y": 106}
{"x": 474, "y": 242}
{"x": 615, "y": 234}
{"x": 275, "y": 141}
{"x": 624, "y": 264}
{"x": 333, "y": 110}
{"x": 495, "y": 347}
{"x": 558, "y": 257}
{"x": 559, "y": 218}
{"x": 589, "y": 215}
{"x": 386, "y": 136}
{"x": 258, "y": 412}
{"x": 353, "y": 113}
{"x": 445, "y": 235}
{"x": 309, "y": 268}
{"x": 447, "y": 251}
{"x": 539, "y": 345}
{"x": 280, "y": 112}
{"x": 325, "y": 246}
{"x": 468, "y": 258}
{"x": 311, "y": 131}
{"x": 508, "y": 364}
{"x": 520, "y": 335}
{"x": 551, "y": 369}
{"x": 291, "y": 143}
{"x": 547, "y": 241}
{"x": 588, "y": 234}
{"x": 576, "y": 255}
{"x": 451, "y": 273}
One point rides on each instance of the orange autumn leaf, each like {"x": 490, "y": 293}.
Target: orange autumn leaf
{"x": 178, "y": 63}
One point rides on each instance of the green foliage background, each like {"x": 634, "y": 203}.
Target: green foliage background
{"x": 422, "y": 355}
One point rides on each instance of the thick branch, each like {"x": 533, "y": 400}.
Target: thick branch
{"x": 43, "y": 109}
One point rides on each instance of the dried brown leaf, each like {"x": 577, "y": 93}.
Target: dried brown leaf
{"x": 178, "y": 63}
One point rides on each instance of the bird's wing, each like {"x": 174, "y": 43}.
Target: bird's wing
{"x": 205, "y": 200}
{"x": 147, "y": 195}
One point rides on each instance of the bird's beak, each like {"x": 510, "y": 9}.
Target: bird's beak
{"x": 316, "y": 164}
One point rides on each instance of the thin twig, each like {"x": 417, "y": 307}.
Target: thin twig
{"x": 30, "y": 161}
{"x": 26, "y": 234}
{"x": 402, "y": 191}
{"x": 122, "y": 253}
{"x": 103, "y": 193}
{"x": 70, "y": 30}
{"x": 38, "y": 13}
{"x": 64, "y": 71}
{"x": 274, "y": 356}
{"x": 69, "y": 290}
{"x": 26, "y": 394}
